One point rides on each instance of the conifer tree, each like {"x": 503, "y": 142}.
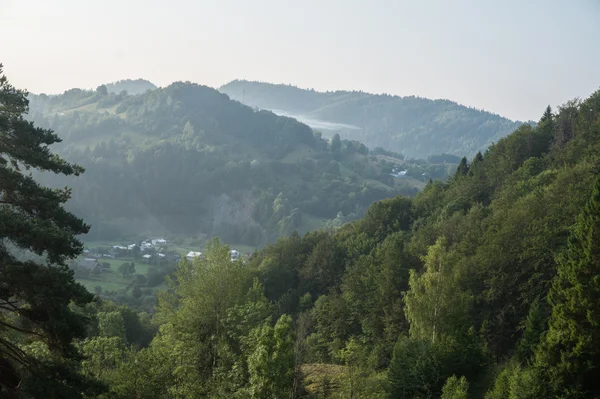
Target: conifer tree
{"x": 463, "y": 168}
{"x": 37, "y": 237}
{"x": 571, "y": 352}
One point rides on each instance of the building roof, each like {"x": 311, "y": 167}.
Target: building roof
{"x": 193, "y": 254}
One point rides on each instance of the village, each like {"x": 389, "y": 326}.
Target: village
{"x": 133, "y": 271}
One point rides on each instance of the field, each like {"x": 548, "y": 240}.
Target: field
{"x": 112, "y": 280}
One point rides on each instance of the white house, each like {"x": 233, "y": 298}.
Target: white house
{"x": 158, "y": 242}
{"x": 191, "y": 255}
{"x": 398, "y": 173}
{"x": 145, "y": 245}
{"x": 235, "y": 254}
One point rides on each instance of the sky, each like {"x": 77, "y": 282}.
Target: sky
{"x": 510, "y": 57}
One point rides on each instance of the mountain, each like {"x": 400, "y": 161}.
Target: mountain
{"x": 414, "y": 126}
{"x": 186, "y": 161}
{"x": 486, "y": 285}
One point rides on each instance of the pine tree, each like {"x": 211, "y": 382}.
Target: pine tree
{"x": 571, "y": 353}
{"x": 548, "y": 115}
{"x": 455, "y": 388}
{"x": 463, "y": 168}
{"x": 37, "y": 237}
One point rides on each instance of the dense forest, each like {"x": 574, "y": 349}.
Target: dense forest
{"x": 482, "y": 286}
{"x": 416, "y": 127}
{"x": 186, "y": 161}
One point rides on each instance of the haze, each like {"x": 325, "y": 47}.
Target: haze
{"x": 511, "y": 58}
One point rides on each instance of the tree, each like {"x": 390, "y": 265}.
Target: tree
{"x": 127, "y": 269}
{"x": 571, "y": 352}
{"x": 271, "y": 364}
{"x": 137, "y": 291}
{"x": 102, "y": 90}
{"x": 463, "y": 167}
{"x": 415, "y": 369}
{"x": 435, "y": 305}
{"x": 336, "y": 143}
{"x": 111, "y": 324}
{"x": 455, "y": 388}
{"x": 38, "y": 238}
{"x": 193, "y": 311}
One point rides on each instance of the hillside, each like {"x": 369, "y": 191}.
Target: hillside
{"x": 186, "y": 161}
{"x": 131, "y": 86}
{"x": 414, "y": 126}
{"x": 484, "y": 286}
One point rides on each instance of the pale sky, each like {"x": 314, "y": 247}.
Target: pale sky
{"x": 511, "y": 57}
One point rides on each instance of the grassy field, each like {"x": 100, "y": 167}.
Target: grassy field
{"x": 111, "y": 279}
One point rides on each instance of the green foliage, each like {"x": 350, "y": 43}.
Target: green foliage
{"x": 455, "y": 388}
{"x": 415, "y": 126}
{"x": 570, "y": 354}
{"x": 253, "y": 176}
{"x": 271, "y": 362}
{"x": 436, "y": 307}
{"x": 111, "y": 324}
{"x": 38, "y": 238}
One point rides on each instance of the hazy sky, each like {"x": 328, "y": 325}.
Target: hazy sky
{"x": 511, "y": 57}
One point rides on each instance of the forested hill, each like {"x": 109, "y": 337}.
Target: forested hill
{"x": 484, "y": 287}
{"x": 414, "y": 126}
{"x": 131, "y": 86}
{"x": 187, "y": 161}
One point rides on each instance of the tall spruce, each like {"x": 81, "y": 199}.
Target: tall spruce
{"x": 571, "y": 352}
{"x": 37, "y": 237}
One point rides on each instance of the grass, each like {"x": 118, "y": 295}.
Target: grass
{"x": 111, "y": 279}
{"x": 106, "y": 285}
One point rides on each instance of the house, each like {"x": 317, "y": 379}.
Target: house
{"x": 191, "y": 255}
{"x": 398, "y": 173}
{"x": 130, "y": 247}
{"x": 235, "y": 254}
{"x": 145, "y": 246}
{"x": 158, "y": 242}
{"x": 147, "y": 256}
{"x": 119, "y": 248}
{"x": 88, "y": 264}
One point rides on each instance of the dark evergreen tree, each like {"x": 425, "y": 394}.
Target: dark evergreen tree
{"x": 548, "y": 115}
{"x": 37, "y": 237}
{"x": 571, "y": 353}
{"x": 462, "y": 168}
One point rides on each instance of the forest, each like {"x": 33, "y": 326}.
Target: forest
{"x": 414, "y": 126}
{"x": 484, "y": 285}
{"x": 185, "y": 162}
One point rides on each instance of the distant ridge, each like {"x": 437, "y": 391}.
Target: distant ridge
{"x": 131, "y": 86}
{"x": 415, "y": 126}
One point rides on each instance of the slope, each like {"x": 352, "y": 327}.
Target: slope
{"x": 186, "y": 161}
{"x": 417, "y": 127}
